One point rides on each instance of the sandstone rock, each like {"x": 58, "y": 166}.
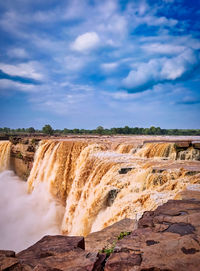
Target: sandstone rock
{"x": 166, "y": 239}
{"x": 60, "y": 253}
{"x": 15, "y": 140}
{"x": 96, "y": 241}
{"x": 7, "y": 253}
{"x": 9, "y": 262}
{"x": 22, "y": 155}
{"x": 125, "y": 170}
{"x": 196, "y": 144}
{"x": 112, "y": 194}
{"x": 51, "y": 245}
{"x": 123, "y": 261}
{"x": 183, "y": 144}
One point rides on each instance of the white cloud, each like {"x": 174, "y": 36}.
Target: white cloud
{"x": 156, "y": 71}
{"x": 108, "y": 67}
{"x": 152, "y": 20}
{"x": 26, "y": 69}
{"x": 6, "y": 84}
{"x": 86, "y": 42}
{"x": 178, "y": 66}
{"x": 68, "y": 99}
{"x": 116, "y": 24}
{"x": 73, "y": 63}
{"x": 17, "y": 53}
{"x": 160, "y": 48}
{"x": 125, "y": 96}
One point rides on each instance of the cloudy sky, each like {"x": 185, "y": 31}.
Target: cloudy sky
{"x": 85, "y": 63}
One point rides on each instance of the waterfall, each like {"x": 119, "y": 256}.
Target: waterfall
{"x": 5, "y": 147}
{"x": 76, "y": 187}
{"x": 84, "y": 176}
{"x": 150, "y": 150}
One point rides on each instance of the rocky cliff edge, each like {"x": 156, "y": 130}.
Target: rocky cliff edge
{"x": 167, "y": 239}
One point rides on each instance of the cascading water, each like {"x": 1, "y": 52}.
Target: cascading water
{"x": 83, "y": 186}
{"x": 84, "y": 175}
{"x": 5, "y": 147}
{"x": 151, "y": 150}
{"x": 24, "y": 218}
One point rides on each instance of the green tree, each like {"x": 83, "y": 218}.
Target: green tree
{"x": 47, "y": 129}
{"x": 76, "y": 131}
{"x": 100, "y": 130}
{"x": 31, "y": 130}
{"x": 152, "y": 130}
{"x": 126, "y": 130}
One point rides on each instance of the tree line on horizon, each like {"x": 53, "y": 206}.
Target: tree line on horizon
{"x": 48, "y": 130}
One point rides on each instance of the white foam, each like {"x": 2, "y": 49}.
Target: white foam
{"x": 25, "y": 218}
{"x": 193, "y": 187}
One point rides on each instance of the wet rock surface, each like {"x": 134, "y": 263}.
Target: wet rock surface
{"x": 125, "y": 170}
{"x": 22, "y": 155}
{"x": 112, "y": 194}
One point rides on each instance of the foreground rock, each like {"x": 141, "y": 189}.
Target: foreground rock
{"x": 166, "y": 239}
{"x": 96, "y": 241}
{"x": 53, "y": 253}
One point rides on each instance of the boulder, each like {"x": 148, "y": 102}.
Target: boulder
{"x": 112, "y": 194}
{"x": 125, "y": 170}
{"x": 60, "y": 253}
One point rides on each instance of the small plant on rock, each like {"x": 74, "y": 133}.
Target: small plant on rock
{"x": 109, "y": 249}
{"x": 123, "y": 234}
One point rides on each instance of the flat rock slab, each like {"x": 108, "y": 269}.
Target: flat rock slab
{"x": 50, "y": 246}
{"x": 96, "y": 241}
{"x": 53, "y": 253}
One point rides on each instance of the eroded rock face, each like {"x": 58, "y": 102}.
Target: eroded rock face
{"x": 166, "y": 239}
{"x": 22, "y": 155}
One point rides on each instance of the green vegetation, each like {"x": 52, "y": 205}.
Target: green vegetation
{"x": 123, "y": 234}
{"x": 19, "y": 155}
{"x": 48, "y": 130}
{"x": 31, "y": 130}
{"x": 110, "y": 248}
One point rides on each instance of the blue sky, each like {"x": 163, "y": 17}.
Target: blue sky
{"x": 85, "y": 63}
